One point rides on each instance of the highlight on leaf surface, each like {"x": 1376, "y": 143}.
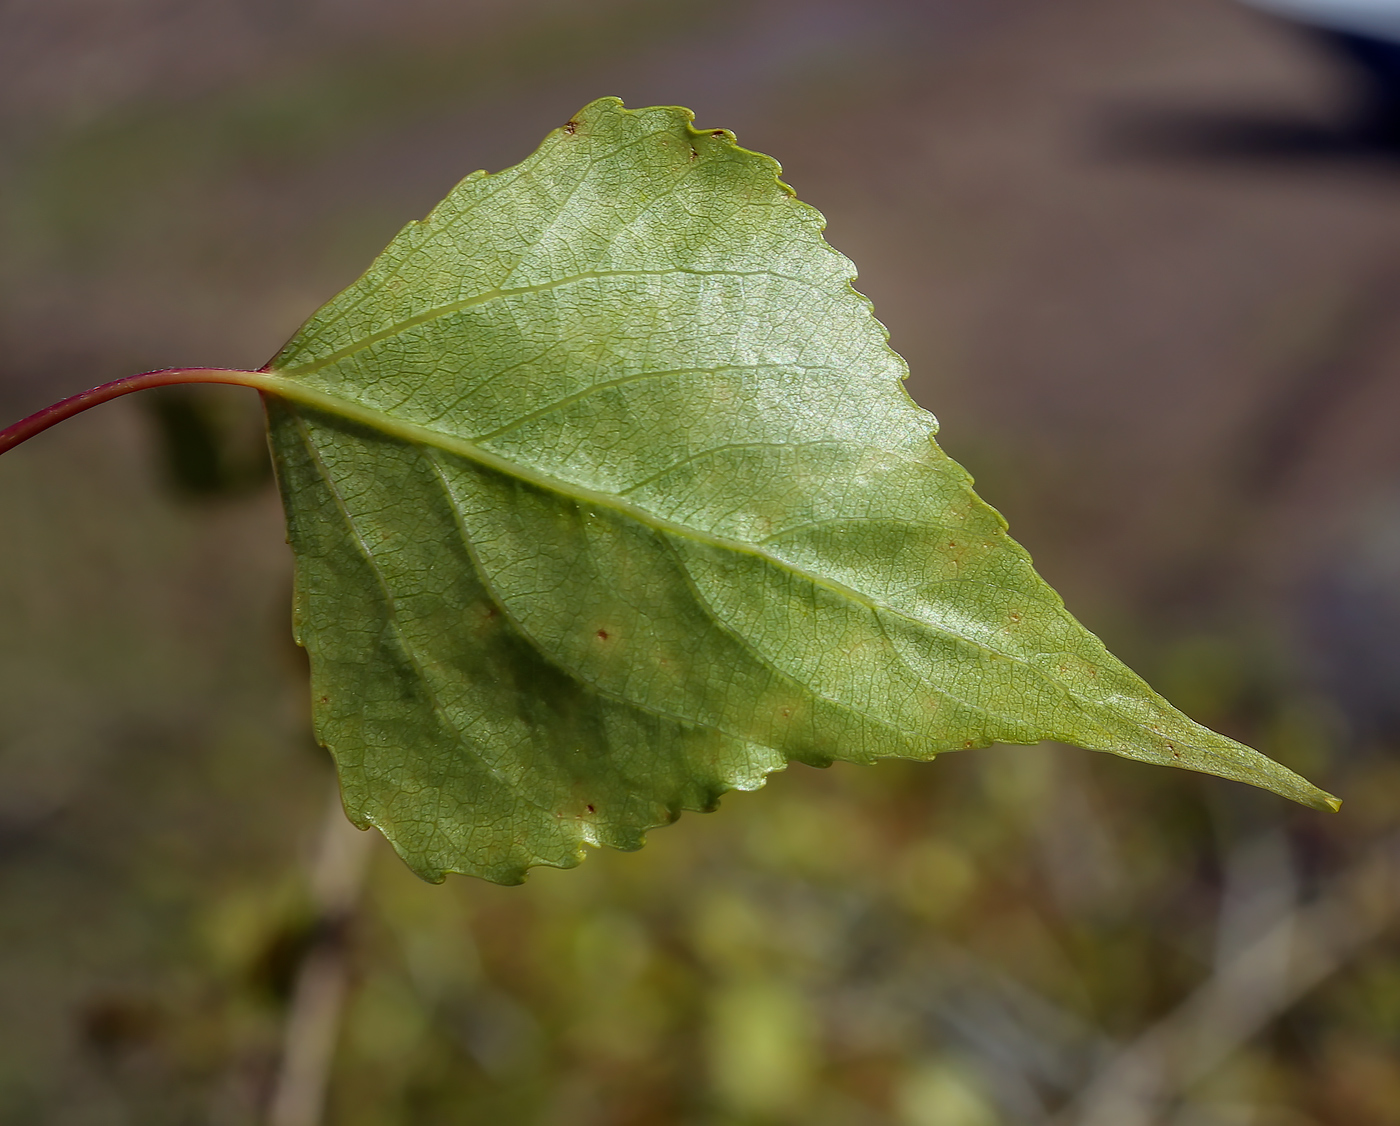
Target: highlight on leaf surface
{"x": 606, "y": 497}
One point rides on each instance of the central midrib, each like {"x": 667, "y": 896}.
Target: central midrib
{"x": 374, "y": 419}
{"x": 298, "y": 392}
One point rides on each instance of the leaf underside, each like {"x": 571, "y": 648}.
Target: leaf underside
{"x": 606, "y": 498}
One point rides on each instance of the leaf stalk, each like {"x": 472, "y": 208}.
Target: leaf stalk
{"x": 40, "y": 421}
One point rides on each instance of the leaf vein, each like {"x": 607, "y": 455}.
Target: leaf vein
{"x": 490, "y": 295}
{"x": 391, "y": 605}
{"x": 620, "y": 381}
{"x": 539, "y": 647}
{"x": 766, "y": 661}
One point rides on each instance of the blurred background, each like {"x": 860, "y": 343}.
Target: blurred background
{"x": 1143, "y": 257}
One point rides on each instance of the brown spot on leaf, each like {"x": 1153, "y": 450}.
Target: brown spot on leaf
{"x": 602, "y": 635}
{"x": 571, "y": 127}
{"x": 591, "y": 809}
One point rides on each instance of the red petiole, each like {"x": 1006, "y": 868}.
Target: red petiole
{"x": 40, "y": 421}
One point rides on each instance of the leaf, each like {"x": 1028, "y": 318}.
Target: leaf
{"x": 606, "y": 498}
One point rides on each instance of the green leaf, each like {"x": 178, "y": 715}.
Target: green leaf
{"x": 606, "y": 498}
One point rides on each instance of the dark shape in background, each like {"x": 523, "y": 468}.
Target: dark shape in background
{"x": 210, "y": 444}
{"x": 1360, "y": 40}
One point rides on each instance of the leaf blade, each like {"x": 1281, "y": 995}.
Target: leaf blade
{"x": 649, "y": 513}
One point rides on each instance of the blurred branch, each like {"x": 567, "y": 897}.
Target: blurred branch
{"x": 322, "y": 980}
{"x": 1239, "y": 1001}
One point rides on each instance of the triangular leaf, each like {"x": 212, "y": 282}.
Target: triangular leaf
{"x": 606, "y": 498}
